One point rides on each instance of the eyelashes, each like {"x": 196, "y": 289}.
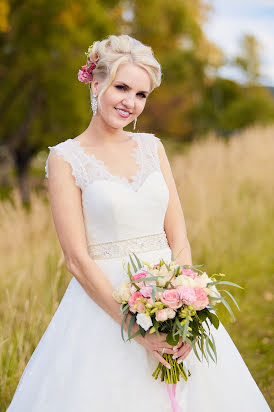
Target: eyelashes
{"x": 121, "y": 87}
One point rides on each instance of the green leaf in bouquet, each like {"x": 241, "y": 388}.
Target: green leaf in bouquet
{"x": 142, "y": 331}
{"x": 133, "y": 264}
{"x": 122, "y": 324}
{"x": 214, "y": 346}
{"x": 212, "y": 308}
{"x": 172, "y": 340}
{"x": 129, "y": 271}
{"x": 225, "y": 303}
{"x": 202, "y": 314}
{"x": 232, "y": 297}
{"x": 139, "y": 332}
{"x": 125, "y": 308}
{"x": 185, "y": 330}
{"x": 214, "y": 319}
{"x": 193, "y": 345}
{"x": 207, "y": 325}
{"x": 179, "y": 325}
{"x": 172, "y": 256}
{"x": 209, "y": 347}
{"x": 196, "y": 266}
{"x": 202, "y": 346}
{"x": 132, "y": 320}
{"x": 225, "y": 282}
{"x": 138, "y": 261}
{"x": 173, "y": 328}
{"x": 195, "y": 327}
{"x": 150, "y": 278}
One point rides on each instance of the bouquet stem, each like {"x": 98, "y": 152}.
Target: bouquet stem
{"x": 172, "y": 375}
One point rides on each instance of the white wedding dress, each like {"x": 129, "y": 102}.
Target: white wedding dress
{"x": 81, "y": 363}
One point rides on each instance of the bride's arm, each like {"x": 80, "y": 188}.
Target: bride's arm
{"x": 174, "y": 224}
{"x": 66, "y": 207}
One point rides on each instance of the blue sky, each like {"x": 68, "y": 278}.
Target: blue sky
{"x": 232, "y": 18}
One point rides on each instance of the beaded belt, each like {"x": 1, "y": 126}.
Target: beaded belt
{"x": 121, "y": 248}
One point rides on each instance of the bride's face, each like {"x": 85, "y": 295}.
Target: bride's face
{"x": 125, "y": 98}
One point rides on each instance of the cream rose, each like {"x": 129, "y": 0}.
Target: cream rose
{"x": 144, "y": 321}
{"x": 183, "y": 280}
{"x": 122, "y": 293}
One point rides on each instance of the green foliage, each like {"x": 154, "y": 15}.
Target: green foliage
{"x": 228, "y": 106}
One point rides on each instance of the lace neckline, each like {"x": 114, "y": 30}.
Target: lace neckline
{"x": 132, "y": 181}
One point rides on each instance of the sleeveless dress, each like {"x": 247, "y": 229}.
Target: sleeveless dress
{"x": 81, "y": 363}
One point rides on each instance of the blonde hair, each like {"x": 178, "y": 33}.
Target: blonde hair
{"x": 116, "y": 50}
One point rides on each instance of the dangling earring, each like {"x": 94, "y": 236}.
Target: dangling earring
{"x": 135, "y": 121}
{"x": 94, "y": 104}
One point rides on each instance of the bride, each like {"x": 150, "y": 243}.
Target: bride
{"x": 112, "y": 192}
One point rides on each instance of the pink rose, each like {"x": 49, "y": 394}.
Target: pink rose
{"x": 132, "y": 301}
{"x": 170, "y": 313}
{"x": 161, "y": 315}
{"x": 139, "y": 275}
{"x": 201, "y": 299}
{"x": 187, "y": 294}
{"x": 171, "y": 298}
{"x": 164, "y": 314}
{"x": 146, "y": 291}
{"x": 190, "y": 272}
{"x": 141, "y": 308}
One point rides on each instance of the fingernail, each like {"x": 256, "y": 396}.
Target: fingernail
{"x": 175, "y": 347}
{"x": 174, "y": 356}
{"x": 169, "y": 366}
{"x": 179, "y": 361}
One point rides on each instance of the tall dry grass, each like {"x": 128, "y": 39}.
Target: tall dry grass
{"x": 226, "y": 190}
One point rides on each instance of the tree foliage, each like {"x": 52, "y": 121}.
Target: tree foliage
{"x": 42, "y": 47}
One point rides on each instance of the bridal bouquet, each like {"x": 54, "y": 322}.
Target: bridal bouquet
{"x": 176, "y": 300}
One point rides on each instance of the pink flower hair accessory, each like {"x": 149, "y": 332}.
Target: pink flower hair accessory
{"x": 85, "y": 74}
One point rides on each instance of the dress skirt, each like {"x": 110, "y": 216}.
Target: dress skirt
{"x": 81, "y": 364}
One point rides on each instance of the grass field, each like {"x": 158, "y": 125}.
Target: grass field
{"x": 227, "y": 193}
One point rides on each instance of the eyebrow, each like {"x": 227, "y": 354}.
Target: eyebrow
{"x": 124, "y": 84}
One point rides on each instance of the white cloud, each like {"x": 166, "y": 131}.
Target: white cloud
{"x": 229, "y": 23}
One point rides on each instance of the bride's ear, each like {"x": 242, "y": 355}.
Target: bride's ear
{"x": 94, "y": 87}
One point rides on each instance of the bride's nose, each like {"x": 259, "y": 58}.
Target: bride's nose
{"x": 128, "y": 101}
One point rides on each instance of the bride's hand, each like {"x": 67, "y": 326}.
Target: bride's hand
{"x": 155, "y": 345}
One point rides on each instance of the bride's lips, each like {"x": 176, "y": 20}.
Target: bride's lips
{"x": 125, "y": 113}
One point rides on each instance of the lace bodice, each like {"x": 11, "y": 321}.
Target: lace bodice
{"x": 115, "y": 208}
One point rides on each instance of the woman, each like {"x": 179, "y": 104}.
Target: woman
{"x": 113, "y": 191}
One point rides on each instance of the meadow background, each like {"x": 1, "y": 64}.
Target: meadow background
{"x": 218, "y": 133}
{"x": 227, "y": 194}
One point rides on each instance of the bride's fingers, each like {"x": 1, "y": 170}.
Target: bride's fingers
{"x": 182, "y": 350}
{"x": 184, "y": 355}
{"x": 161, "y": 359}
{"x": 163, "y": 342}
{"x": 167, "y": 350}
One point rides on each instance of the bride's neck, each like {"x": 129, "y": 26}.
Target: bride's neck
{"x": 99, "y": 131}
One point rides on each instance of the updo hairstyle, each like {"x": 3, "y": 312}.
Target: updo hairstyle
{"x": 116, "y": 50}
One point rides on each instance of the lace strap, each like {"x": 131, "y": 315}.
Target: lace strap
{"x": 150, "y": 143}
{"x": 67, "y": 150}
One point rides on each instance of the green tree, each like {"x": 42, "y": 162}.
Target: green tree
{"x": 175, "y": 32}
{"x": 41, "y": 51}
{"x": 249, "y": 59}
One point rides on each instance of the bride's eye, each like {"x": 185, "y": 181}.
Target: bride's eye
{"x": 122, "y": 87}
{"x": 142, "y": 95}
